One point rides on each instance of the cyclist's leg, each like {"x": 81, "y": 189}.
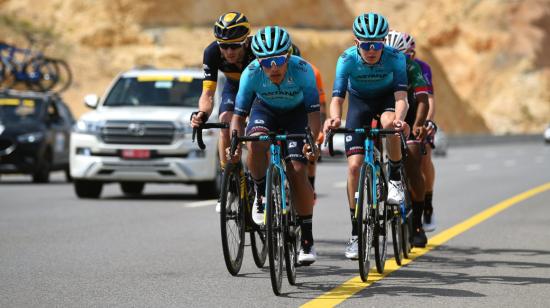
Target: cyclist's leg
{"x": 428, "y": 172}
{"x": 294, "y": 122}
{"x": 227, "y": 106}
{"x": 355, "y": 151}
{"x": 417, "y": 190}
{"x": 395, "y": 192}
{"x": 261, "y": 120}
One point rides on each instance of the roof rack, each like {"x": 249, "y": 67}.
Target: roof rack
{"x": 28, "y": 93}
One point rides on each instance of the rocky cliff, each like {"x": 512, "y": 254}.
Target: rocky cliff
{"x": 490, "y": 57}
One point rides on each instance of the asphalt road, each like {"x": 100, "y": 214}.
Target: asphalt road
{"x": 163, "y": 250}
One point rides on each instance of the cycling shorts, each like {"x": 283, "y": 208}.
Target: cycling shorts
{"x": 229, "y": 94}
{"x": 361, "y": 112}
{"x": 263, "y": 119}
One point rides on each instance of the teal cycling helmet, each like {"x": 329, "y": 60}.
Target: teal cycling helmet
{"x": 370, "y": 26}
{"x": 271, "y": 41}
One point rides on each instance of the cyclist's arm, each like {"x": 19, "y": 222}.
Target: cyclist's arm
{"x": 311, "y": 100}
{"x": 400, "y": 88}
{"x": 210, "y": 66}
{"x": 431, "y": 108}
{"x": 401, "y": 105}
{"x": 244, "y": 99}
{"x": 336, "y": 107}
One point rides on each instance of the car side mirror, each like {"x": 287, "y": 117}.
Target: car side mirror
{"x": 91, "y": 100}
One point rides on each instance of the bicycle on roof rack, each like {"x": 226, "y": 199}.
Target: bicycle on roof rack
{"x": 32, "y": 68}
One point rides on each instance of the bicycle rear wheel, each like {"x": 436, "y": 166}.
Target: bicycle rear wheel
{"x": 365, "y": 222}
{"x": 232, "y": 223}
{"x": 406, "y": 226}
{"x": 293, "y": 237}
{"x": 396, "y": 234}
{"x": 258, "y": 236}
{"x": 63, "y": 74}
{"x": 275, "y": 236}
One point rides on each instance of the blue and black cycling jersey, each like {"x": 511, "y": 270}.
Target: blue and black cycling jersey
{"x": 298, "y": 87}
{"x": 365, "y": 80}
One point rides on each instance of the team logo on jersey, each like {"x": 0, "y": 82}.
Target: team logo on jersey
{"x": 349, "y": 138}
{"x": 292, "y": 144}
{"x": 259, "y": 121}
{"x": 290, "y": 80}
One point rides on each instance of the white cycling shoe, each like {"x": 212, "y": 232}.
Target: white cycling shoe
{"x": 307, "y": 256}
{"x": 352, "y": 248}
{"x": 258, "y": 210}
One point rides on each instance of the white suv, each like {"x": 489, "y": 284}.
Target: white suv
{"x": 140, "y": 133}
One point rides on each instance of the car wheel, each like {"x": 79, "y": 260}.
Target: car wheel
{"x": 132, "y": 188}
{"x": 88, "y": 189}
{"x": 42, "y": 172}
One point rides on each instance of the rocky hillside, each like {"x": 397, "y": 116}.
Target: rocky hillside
{"x": 489, "y": 57}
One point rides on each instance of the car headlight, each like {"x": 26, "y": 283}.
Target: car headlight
{"x": 31, "y": 137}
{"x": 183, "y": 129}
{"x": 88, "y": 127}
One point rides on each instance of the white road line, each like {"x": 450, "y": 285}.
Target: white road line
{"x": 510, "y": 162}
{"x": 340, "y": 184}
{"x": 473, "y": 167}
{"x": 202, "y": 203}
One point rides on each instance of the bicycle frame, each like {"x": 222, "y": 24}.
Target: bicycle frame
{"x": 372, "y": 158}
{"x": 275, "y": 151}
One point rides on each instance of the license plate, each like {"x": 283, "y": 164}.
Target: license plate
{"x": 136, "y": 154}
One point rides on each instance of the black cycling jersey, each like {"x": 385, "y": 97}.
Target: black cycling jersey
{"x": 214, "y": 61}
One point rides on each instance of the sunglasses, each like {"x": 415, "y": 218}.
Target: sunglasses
{"x": 371, "y": 45}
{"x": 271, "y": 61}
{"x": 231, "y": 45}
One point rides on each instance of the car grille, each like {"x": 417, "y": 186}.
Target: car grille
{"x": 142, "y": 132}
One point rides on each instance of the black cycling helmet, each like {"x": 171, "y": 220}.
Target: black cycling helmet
{"x": 231, "y": 27}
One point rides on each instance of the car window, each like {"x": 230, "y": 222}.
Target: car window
{"x": 65, "y": 112}
{"x": 14, "y": 109}
{"x": 165, "y": 91}
{"x": 53, "y": 113}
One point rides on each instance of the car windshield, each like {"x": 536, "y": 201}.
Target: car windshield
{"x": 19, "y": 109}
{"x": 169, "y": 91}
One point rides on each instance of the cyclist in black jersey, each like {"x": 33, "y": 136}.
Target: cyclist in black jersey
{"x": 230, "y": 53}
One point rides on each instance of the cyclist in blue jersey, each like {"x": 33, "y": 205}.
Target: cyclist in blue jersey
{"x": 376, "y": 78}
{"x": 278, "y": 91}
{"x": 427, "y": 165}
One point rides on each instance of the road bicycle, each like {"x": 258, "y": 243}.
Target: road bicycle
{"x": 38, "y": 72}
{"x": 373, "y": 215}
{"x": 281, "y": 223}
{"x": 237, "y": 196}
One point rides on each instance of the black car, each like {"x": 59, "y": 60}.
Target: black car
{"x": 34, "y": 134}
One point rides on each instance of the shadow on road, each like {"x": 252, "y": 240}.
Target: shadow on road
{"x": 428, "y": 276}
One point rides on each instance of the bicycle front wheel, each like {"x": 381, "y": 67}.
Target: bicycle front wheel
{"x": 275, "y": 236}
{"x": 232, "y": 223}
{"x": 381, "y": 227}
{"x": 365, "y": 221}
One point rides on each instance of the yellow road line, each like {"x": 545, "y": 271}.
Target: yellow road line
{"x": 354, "y": 285}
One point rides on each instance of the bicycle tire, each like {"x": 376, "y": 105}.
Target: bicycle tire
{"x": 396, "y": 235}
{"x": 365, "y": 224}
{"x": 41, "y": 74}
{"x": 381, "y": 226}
{"x": 259, "y": 247}
{"x": 293, "y": 236}
{"x": 258, "y": 240}
{"x": 232, "y": 215}
{"x": 9, "y": 78}
{"x": 406, "y": 226}
{"x": 64, "y": 75}
{"x": 274, "y": 228}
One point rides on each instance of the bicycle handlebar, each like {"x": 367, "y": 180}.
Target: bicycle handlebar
{"x": 271, "y": 137}
{"x": 197, "y": 132}
{"x": 367, "y": 131}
